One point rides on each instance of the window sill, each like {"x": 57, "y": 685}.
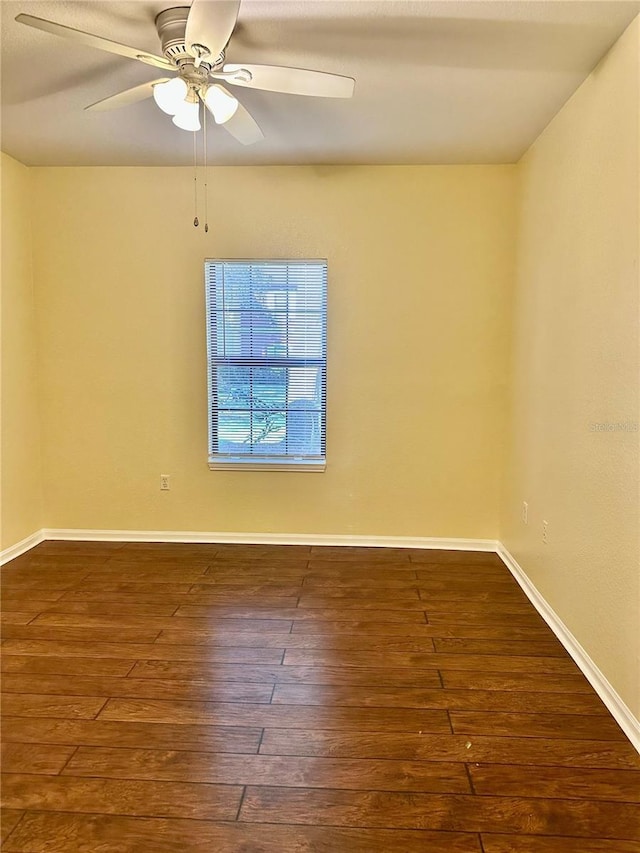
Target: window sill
{"x": 309, "y": 467}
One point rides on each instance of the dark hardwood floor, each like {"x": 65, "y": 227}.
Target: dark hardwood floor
{"x": 254, "y": 699}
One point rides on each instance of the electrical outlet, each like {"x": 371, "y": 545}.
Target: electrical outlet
{"x": 165, "y": 482}
{"x": 545, "y": 532}
{"x": 525, "y": 512}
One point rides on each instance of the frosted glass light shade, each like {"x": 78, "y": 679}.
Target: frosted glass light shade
{"x": 220, "y": 103}
{"x": 170, "y": 96}
{"x": 188, "y": 116}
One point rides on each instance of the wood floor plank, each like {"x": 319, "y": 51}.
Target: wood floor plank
{"x": 526, "y": 681}
{"x": 463, "y": 571}
{"x": 152, "y": 586}
{"x": 368, "y": 626}
{"x": 352, "y": 575}
{"x": 578, "y": 818}
{"x": 403, "y": 601}
{"x": 267, "y": 553}
{"x": 95, "y": 588}
{"x": 188, "y": 550}
{"x": 210, "y": 690}
{"x": 34, "y": 757}
{"x": 58, "y": 548}
{"x": 277, "y": 716}
{"x": 404, "y": 677}
{"x": 338, "y": 553}
{"x": 411, "y": 697}
{"x": 200, "y": 561}
{"x": 391, "y": 631}
{"x": 556, "y": 782}
{"x": 337, "y": 596}
{"x": 210, "y": 636}
{"x": 38, "y": 631}
{"x": 16, "y": 617}
{"x": 24, "y": 600}
{"x": 239, "y": 591}
{"x": 212, "y": 599}
{"x": 145, "y": 651}
{"x": 539, "y": 752}
{"x": 500, "y": 596}
{"x": 318, "y": 566}
{"x": 244, "y": 563}
{"x": 35, "y": 585}
{"x": 554, "y": 844}
{"x": 45, "y": 665}
{"x": 487, "y": 663}
{"x": 348, "y": 642}
{"x": 257, "y": 611}
{"x": 485, "y": 616}
{"x": 246, "y": 566}
{"x": 35, "y": 572}
{"x": 481, "y": 608}
{"x": 146, "y": 573}
{"x": 36, "y": 705}
{"x": 371, "y": 603}
{"x": 466, "y": 558}
{"x": 198, "y": 738}
{"x": 472, "y": 646}
{"x": 160, "y": 556}
{"x": 9, "y": 819}
{"x": 107, "y": 608}
{"x": 40, "y": 560}
{"x": 355, "y": 585}
{"x": 474, "y": 591}
{"x": 602, "y": 727}
{"x": 443, "y": 579}
{"x": 68, "y": 833}
{"x": 160, "y": 623}
{"x": 121, "y": 796}
{"x": 233, "y": 577}
{"x": 338, "y": 773}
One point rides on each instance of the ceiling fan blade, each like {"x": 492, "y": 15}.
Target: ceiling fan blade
{"x": 95, "y": 41}
{"x": 292, "y": 81}
{"x": 243, "y": 127}
{"x": 210, "y": 24}
{"x": 129, "y": 96}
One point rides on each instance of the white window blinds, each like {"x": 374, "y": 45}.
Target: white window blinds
{"x": 266, "y": 345}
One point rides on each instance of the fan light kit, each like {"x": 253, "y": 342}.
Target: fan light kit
{"x": 170, "y": 95}
{"x": 193, "y": 41}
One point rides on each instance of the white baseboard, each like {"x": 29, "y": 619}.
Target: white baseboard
{"x": 372, "y": 541}
{"x": 594, "y": 675}
{"x": 22, "y": 547}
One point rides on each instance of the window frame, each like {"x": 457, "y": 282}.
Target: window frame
{"x": 255, "y": 463}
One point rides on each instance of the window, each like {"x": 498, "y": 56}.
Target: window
{"x": 266, "y": 345}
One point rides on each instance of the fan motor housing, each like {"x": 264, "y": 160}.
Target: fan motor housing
{"x": 171, "y": 25}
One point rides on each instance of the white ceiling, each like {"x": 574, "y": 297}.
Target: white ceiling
{"x": 436, "y": 82}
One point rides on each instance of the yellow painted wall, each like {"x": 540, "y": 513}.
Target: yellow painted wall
{"x": 420, "y": 271}
{"x": 575, "y": 366}
{"x": 21, "y": 486}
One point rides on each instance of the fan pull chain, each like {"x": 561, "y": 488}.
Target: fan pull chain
{"x": 196, "y": 221}
{"x": 206, "y": 189}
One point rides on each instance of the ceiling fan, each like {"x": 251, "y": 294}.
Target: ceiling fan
{"x": 193, "y": 43}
